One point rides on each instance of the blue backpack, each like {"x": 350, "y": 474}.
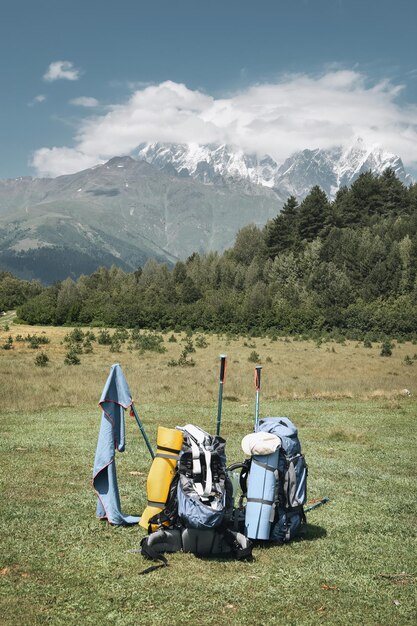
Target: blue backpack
{"x": 277, "y": 486}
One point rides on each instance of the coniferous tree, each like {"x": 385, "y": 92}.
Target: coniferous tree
{"x": 364, "y": 200}
{"x": 313, "y": 214}
{"x": 282, "y": 233}
{"x": 393, "y": 194}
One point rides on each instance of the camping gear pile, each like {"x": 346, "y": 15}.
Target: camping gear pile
{"x": 196, "y": 503}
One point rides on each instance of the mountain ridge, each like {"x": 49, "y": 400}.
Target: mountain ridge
{"x": 170, "y": 202}
{"x": 329, "y": 168}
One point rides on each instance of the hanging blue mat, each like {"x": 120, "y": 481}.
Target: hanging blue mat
{"x": 115, "y": 399}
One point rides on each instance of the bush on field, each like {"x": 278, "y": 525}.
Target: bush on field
{"x": 254, "y": 357}
{"x": 42, "y": 360}
{"x": 148, "y": 342}
{"x": 72, "y": 358}
{"x": 386, "y": 349}
{"x": 104, "y": 338}
{"x": 201, "y": 341}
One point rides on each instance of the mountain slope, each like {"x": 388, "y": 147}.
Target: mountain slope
{"x": 123, "y": 212}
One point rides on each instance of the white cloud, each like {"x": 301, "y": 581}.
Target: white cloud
{"x": 57, "y": 161}
{"x": 63, "y": 70}
{"x": 37, "y": 100}
{"x": 298, "y": 111}
{"x": 84, "y": 101}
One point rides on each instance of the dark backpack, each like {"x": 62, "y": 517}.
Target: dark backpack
{"x": 204, "y": 488}
{"x": 199, "y": 505}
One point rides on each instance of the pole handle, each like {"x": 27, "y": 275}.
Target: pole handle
{"x": 223, "y": 358}
{"x": 258, "y": 377}
{"x": 220, "y": 401}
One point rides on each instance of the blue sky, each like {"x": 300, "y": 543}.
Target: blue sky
{"x": 82, "y": 81}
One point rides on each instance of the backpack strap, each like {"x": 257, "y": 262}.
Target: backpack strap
{"x": 241, "y": 546}
{"x": 150, "y": 553}
{"x": 197, "y": 438}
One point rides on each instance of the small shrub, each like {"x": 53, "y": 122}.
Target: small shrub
{"x": 148, "y": 341}
{"x": 367, "y": 343}
{"x": 6, "y": 327}
{"x": 172, "y": 339}
{"x": 76, "y": 347}
{"x": 87, "y": 346}
{"x": 182, "y": 361}
{"x": 254, "y": 357}
{"x": 76, "y": 335}
{"x": 115, "y": 346}
{"x": 72, "y": 358}
{"x": 104, "y": 338}
{"x": 42, "y": 360}
{"x": 189, "y": 346}
{"x": 268, "y": 359}
{"x": 8, "y": 344}
{"x": 121, "y": 335}
{"x": 201, "y": 341}
{"x": 386, "y": 349}
{"x": 408, "y": 360}
{"x": 34, "y": 341}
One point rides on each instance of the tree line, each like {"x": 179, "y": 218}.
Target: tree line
{"x": 349, "y": 266}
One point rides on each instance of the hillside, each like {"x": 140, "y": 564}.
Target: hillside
{"x": 123, "y": 212}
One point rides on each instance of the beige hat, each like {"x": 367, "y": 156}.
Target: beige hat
{"x": 260, "y": 443}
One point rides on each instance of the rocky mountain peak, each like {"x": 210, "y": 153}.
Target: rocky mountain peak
{"x": 329, "y": 168}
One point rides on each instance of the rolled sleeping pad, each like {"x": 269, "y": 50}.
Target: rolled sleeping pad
{"x": 169, "y": 444}
{"x": 261, "y": 495}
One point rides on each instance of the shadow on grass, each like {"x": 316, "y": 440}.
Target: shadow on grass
{"x": 311, "y": 532}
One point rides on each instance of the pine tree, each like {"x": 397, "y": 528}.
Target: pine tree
{"x": 313, "y": 214}
{"x": 281, "y": 233}
{"x": 393, "y": 194}
{"x": 364, "y": 200}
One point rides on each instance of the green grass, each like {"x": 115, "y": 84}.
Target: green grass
{"x": 356, "y": 565}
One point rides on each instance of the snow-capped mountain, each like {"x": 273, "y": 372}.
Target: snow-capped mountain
{"x": 330, "y": 168}
{"x": 210, "y": 163}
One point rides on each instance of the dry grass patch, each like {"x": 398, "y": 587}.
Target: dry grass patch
{"x": 292, "y": 370}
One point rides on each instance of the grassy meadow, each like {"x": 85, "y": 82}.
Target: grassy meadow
{"x": 357, "y": 561}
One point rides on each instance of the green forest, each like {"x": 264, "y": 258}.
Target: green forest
{"x": 347, "y": 266}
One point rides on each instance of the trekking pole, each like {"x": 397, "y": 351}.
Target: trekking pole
{"x": 316, "y": 504}
{"x": 134, "y": 414}
{"x": 220, "y": 402}
{"x": 257, "y": 388}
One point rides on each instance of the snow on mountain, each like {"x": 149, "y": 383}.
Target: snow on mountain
{"x": 210, "y": 163}
{"x": 330, "y": 168}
